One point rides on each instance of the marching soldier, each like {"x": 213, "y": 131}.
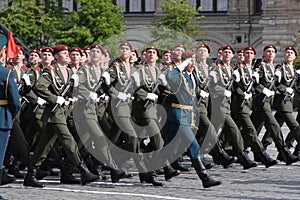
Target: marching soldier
{"x": 242, "y": 103}
{"x": 9, "y": 107}
{"x": 50, "y": 86}
{"x": 181, "y": 116}
{"x": 263, "y": 100}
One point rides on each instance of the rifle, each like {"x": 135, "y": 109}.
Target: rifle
{"x": 125, "y": 91}
{"x": 249, "y": 88}
{"x": 270, "y": 88}
{"x": 205, "y": 88}
{"x": 64, "y": 93}
{"x": 96, "y": 89}
{"x": 24, "y": 101}
{"x": 286, "y": 94}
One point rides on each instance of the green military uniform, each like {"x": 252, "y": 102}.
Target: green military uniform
{"x": 262, "y": 111}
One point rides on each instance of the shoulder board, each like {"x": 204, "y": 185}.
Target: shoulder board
{"x": 51, "y": 67}
{"x": 24, "y": 67}
{"x": 263, "y": 64}
{"x": 219, "y": 66}
{"x": 242, "y": 65}
{"x": 37, "y": 68}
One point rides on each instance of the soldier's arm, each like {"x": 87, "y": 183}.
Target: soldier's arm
{"x": 13, "y": 95}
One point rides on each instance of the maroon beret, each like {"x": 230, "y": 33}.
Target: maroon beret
{"x": 220, "y": 49}
{"x": 59, "y": 48}
{"x": 187, "y": 54}
{"x": 36, "y": 51}
{"x": 240, "y": 51}
{"x": 270, "y": 46}
{"x": 166, "y": 51}
{"x": 47, "y": 49}
{"x": 179, "y": 45}
{"x": 154, "y": 48}
{"x": 22, "y": 49}
{"x": 228, "y": 47}
{"x": 250, "y": 48}
{"x": 291, "y": 48}
{"x": 125, "y": 43}
{"x": 108, "y": 52}
{"x": 75, "y": 49}
{"x": 204, "y": 46}
{"x": 135, "y": 51}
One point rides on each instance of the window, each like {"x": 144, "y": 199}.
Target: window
{"x": 260, "y": 5}
{"x": 136, "y": 6}
{"x": 212, "y": 5}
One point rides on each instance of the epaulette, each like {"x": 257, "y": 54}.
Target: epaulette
{"x": 24, "y": 67}
{"x": 219, "y": 66}
{"x": 242, "y": 65}
{"x": 51, "y": 67}
{"x": 117, "y": 63}
{"x": 36, "y": 68}
{"x": 9, "y": 67}
{"x": 263, "y": 64}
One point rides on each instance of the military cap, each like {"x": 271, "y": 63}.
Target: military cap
{"x": 36, "y": 51}
{"x": 21, "y": 49}
{"x": 228, "y": 47}
{"x": 166, "y": 51}
{"x": 60, "y": 47}
{"x": 154, "y": 48}
{"x": 96, "y": 46}
{"x": 47, "y": 49}
{"x": 251, "y": 48}
{"x": 204, "y": 46}
{"x": 82, "y": 51}
{"x": 291, "y": 48}
{"x": 75, "y": 49}
{"x": 180, "y": 46}
{"x": 240, "y": 51}
{"x": 187, "y": 54}
{"x": 108, "y": 53}
{"x": 220, "y": 49}
{"x": 125, "y": 43}
{"x": 135, "y": 51}
{"x": 270, "y": 46}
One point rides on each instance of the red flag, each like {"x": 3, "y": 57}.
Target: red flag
{"x": 12, "y": 49}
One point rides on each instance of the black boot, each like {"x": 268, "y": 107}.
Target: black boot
{"x": 14, "y": 169}
{"x": 5, "y": 178}
{"x": 245, "y": 160}
{"x": 169, "y": 172}
{"x": 288, "y": 156}
{"x": 297, "y": 151}
{"x": 91, "y": 165}
{"x": 178, "y": 166}
{"x": 66, "y": 176}
{"x": 86, "y": 175}
{"x": 267, "y": 160}
{"x": 116, "y": 175}
{"x": 207, "y": 164}
{"x": 220, "y": 157}
{"x": 150, "y": 177}
{"x": 30, "y": 180}
{"x": 207, "y": 181}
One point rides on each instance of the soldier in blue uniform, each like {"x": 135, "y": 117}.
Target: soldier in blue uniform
{"x": 9, "y": 107}
{"x": 181, "y": 116}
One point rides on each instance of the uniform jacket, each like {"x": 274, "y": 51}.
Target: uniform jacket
{"x": 50, "y": 85}
{"x": 8, "y": 91}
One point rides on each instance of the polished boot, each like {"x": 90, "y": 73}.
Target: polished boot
{"x": 178, "y": 166}
{"x": 297, "y": 151}
{"x": 150, "y": 177}
{"x": 14, "y": 169}
{"x": 220, "y": 157}
{"x": 267, "y": 160}
{"x": 91, "y": 165}
{"x": 207, "y": 164}
{"x": 66, "y": 176}
{"x": 5, "y": 178}
{"x": 86, "y": 175}
{"x": 245, "y": 160}
{"x": 207, "y": 181}
{"x": 30, "y": 180}
{"x": 288, "y": 157}
{"x": 169, "y": 172}
{"x": 116, "y": 175}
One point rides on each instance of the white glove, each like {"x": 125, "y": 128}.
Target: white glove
{"x": 163, "y": 80}
{"x": 123, "y": 96}
{"x": 151, "y": 96}
{"x": 298, "y": 71}
{"x": 204, "y": 94}
{"x": 75, "y": 77}
{"x": 236, "y": 75}
{"x": 60, "y": 100}
{"x": 26, "y": 79}
{"x": 106, "y": 77}
{"x": 41, "y": 101}
{"x": 185, "y": 63}
{"x": 289, "y": 90}
{"x": 67, "y": 103}
{"x": 213, "y": 76}
{"x": 278, "y": 75}
{"x": 268, "y": 92}
{"x": 255, "y": 76}
{"x": 247, "y": 95}
{"x": 93, "y": 96}
{"x": 74, "y": 99}
{"x": 227, "y": 93}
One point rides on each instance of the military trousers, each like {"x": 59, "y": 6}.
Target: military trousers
{"x": 4, "y": 137}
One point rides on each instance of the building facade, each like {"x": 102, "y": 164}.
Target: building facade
{"x": 227, "y": 22}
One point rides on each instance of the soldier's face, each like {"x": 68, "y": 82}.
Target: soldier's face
{"x": 249, "y": 56}
{"x": 96, "y": 55}
{"x": 34, "y": 58}
{"x": 191, "y": 66}
{"x": 63, "y": 57}
{"x": 290, "y": 55}
{"x": 202, "y": 53}
{"x": 240, "y": 57}
{"x": 19, "y": 58}
{"x": 133, "y": 57}
{"x": 47, "y": 58}
{"x": 125, "y": 51}
{"x": 75, "y": 57}
{"x": 269, "y": 54}
{"x": 177, "y": 53}
{"x": 151, "y": 56}
{"x": 227, "y": 55}
{"x": 167, "y": 58}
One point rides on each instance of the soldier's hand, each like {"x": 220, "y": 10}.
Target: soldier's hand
{"x": 278, "y": 75}
{"x": 123, "y": 96}
{"x": 75, "y": 78}
{"x": 227, "y": 93}
{"x": 60, "y": 100}
{"x": 247, "y": 95}
{"x": 268, "y": 92}
{"x": 106, "y": 77}
{"x": 152, "y": 96}
{"x": 163, "y": 80}
{"x": 93, "y": 96}
{"x": 236, "y": 75}
{"x": 26, "y": 79}
{"x": 289, "y": 90}
{"x": 204, "y": 94}
{"x": 255, "y": 76}
{"x": 41, "y": 101}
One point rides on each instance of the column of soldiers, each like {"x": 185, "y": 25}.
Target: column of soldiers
{"x": 86, "y": 113}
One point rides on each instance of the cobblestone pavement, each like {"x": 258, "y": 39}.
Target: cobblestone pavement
{"x": 277, "y": 182}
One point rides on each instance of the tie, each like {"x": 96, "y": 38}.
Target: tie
{"x": 153, "y": 72}
{"x": 64, "y": 72}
